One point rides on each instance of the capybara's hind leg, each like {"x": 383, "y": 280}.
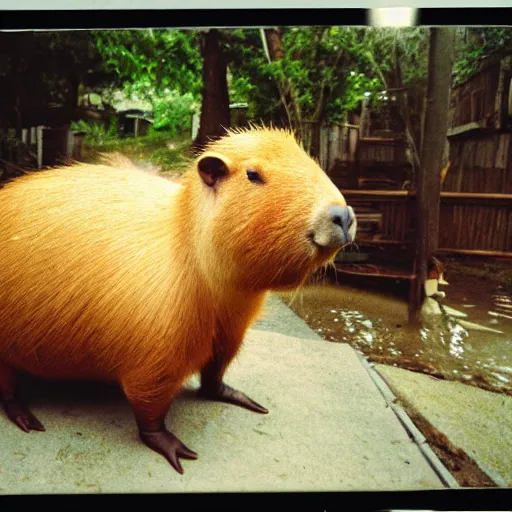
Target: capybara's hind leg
{"x": 15, "y": 411}
{"x": 150, "y": 419}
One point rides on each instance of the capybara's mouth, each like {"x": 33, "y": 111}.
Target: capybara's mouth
{"x": 310, "y": 236}
{"x": 323, "y": 249}
{"x": 321, "y": 252}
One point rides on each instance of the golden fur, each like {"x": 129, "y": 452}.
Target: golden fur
{"x": 116, "y": 274}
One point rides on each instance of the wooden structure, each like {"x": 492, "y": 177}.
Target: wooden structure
{"x": 479, "y": 135}
{"x": 481, "y": 223}
{"x": 370, "y": 163}
{"x": 335, "y": 147}
{"x": 238, "y": 114}
{"x": 39, "y": 147}
{"x": 471, "y": 224}
{"x": 134, "y": 122}
{"x": 476, "y": 197}
{"x": 382, "y": 163}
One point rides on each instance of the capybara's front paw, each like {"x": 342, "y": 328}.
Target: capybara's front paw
{"x": 167, "y": 444}
{"x": 21, "y": 416}
{"x": 225, "y": 393}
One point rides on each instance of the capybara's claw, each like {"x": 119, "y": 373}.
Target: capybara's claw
{"x": 22, "y": 417}
{"x": 229, "y": 395}
{"x": 167, "y": 444}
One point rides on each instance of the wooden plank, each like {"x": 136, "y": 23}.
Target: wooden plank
{"x": 378, "y": 193}
{"x": 501, "y": 96}
{"x": 508, "y": 238}
{"x": 501, "y": 229}
{"x": 411, "y": 193}
{"x": 369, "y": 270}
{"x": 475, "y": 196}
{"x": 465, "y": 219}
{"x": 474, "y": 252}
{"x": 499, "y": 161}
{"x": 466, "y": 128}
{"x": 489, "y": 153}
{"x": 384, "y": 242}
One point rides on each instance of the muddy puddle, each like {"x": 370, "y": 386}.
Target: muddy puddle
{"x": 375, "y": 321}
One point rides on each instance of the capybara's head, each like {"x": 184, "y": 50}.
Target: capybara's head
{"x": 269, "y": 215}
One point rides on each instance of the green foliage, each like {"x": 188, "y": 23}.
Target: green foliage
{"x": 318, "y": 62}
{"x": 324, "y": 74}
{"x": 357, "y": 87}
{"x": 328, "y": 70}
{"x": 152, "y": 62}
{"x": 475, "y": 43}
{"x": 173, "y": 113}
{"x": 161, "y": 66}
{"x": 97, "y": 133}
{"x": 250, "y": 77}
{"x": 467, "y": 63}
{"x": 240, "y": 87}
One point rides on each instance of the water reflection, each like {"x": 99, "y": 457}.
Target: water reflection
{"x": 376, "y": 324}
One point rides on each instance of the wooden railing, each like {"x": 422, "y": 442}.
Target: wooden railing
{"x": 469, "y": 223}
{"x": 395, "y": 206}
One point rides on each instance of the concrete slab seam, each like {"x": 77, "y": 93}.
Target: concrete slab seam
{"x": 427, "y": 450}
{"x": 493, "y": 475}
{"x": 412, "y": 431}
{"x": 438, "y": 466}
{"x": 408, "y": 424}
{"x": 381, "y": 384}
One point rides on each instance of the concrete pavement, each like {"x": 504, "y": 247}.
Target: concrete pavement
{"x": 476, "y": 421}
{"x": 329, "y": 428}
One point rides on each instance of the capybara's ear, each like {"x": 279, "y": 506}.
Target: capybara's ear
{"x": 212, "y": 167}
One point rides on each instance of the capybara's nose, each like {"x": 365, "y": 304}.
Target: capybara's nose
{"x": 343, "y": 216}
{"x": 334, "y": 227}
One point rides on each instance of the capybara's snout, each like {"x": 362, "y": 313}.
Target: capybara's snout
{"x": 333, "y": 227}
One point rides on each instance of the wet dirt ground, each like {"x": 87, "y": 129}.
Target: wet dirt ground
{"x": 374, "y": 320}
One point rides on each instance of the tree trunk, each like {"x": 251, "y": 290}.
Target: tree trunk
{"x": 292, "y": 108}
{"x": 436, "y": 124}
{"x": 215, "y": 106}
{"x": 274, "y": 43}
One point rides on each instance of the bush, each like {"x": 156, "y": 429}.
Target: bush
{"x": 173, "y": 113}
{"x": 97, "y": 133}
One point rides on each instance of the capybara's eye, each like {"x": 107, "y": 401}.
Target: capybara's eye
{"x": 254, "y": 176}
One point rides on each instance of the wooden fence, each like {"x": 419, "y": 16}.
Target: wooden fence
{"x": 476, "y": 222}
{"x": 395, "y": 209}
{"x": 479, "y": 223}
{"x": 355, "y": 162}
{"x": 331, "y": 142}
{"x": 39, "y": 147}
{"x": 474, "y": 101}
{"x": 480, "y": 163}
{"x": 479, "y": 123}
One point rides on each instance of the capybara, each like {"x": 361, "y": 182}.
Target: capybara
{"x": 114, "y": 274}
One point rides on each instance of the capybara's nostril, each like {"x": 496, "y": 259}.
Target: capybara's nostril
{"x": 342, "y": 216}
{"x": 333, "y": 227}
